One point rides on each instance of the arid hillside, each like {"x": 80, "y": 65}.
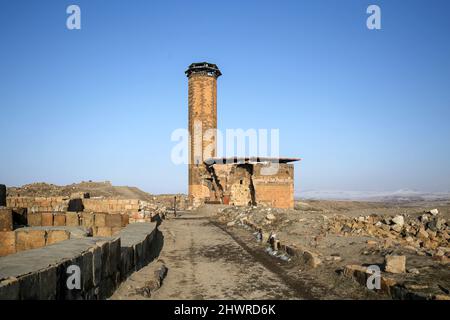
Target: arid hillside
{"x": 95, "y": 189}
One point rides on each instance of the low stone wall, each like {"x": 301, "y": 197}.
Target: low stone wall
{"x": 32, "y": 238}
{"x": 310, "y": 258}
{"x": 397, "y": 290}
{"x": 102, "y": 224}
{"x": 103, "y": 262}
{"x": 139, "y": 244}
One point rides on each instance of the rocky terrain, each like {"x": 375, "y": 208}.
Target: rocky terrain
{"x": 408, "y": 242}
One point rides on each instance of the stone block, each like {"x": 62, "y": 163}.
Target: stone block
{"x": 72, "y": 219}
{"x": 96, "y": 264}
{"x": 47, "y": 219}
{"x": 103, "y": 232}
{"x": 29, "y": 286}
{"x": 86, "y": 266}
{"x": 311, "y": 259}
{"x": 114, "y": 252}
{"x": 54, "y": 236}
{"x": 87, "y": 220}
{"x": 9, "y": 289}
{"x": 63, "y": 292}
{"x": 34, "y": 219}
{"x": 126, "y": 262}
{"x": 125, "y": 219}
{"x": 7, "y": 243}
{"x": 6, "y": 220}
{"x": 29, "y": 239}
{"x": 105, "y": 259}
{"x": 115, "y": 230}
{"x": 395, "y": 264}
{"x": 100, "y": 220}
{"x": 357, "y": 272}
{"x": 48, "y": 283}
{"x": 59, "y": 220}
{"x": 113, "y": 220}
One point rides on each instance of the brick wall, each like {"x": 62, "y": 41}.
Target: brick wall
{"x": 275, "y": 190}
{"x": 202, "y": 97}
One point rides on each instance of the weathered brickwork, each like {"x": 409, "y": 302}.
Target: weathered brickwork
{"x": 245, "y": 184}
{"x": 234, "y": 184}
{"x": 275, "y": 190}
{"x": 202, "y": 125}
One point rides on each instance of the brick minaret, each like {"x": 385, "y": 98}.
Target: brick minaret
{"x": 202, "y": 126}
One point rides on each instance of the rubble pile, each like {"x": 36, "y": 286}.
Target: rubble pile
{"x": 427, "y": 234}
{"x": 263, "y": 216}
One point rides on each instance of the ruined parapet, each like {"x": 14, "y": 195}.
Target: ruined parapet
{"x": 202, "y": 126}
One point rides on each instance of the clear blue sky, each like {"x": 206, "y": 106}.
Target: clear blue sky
{"x": 366, "y": 110}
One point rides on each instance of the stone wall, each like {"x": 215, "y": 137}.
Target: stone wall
{"x": 275, "y": 190}
{"x": 36, "y": 204}
{"x": 6, "y": 220}
{"x": 111, "y": 205}
{"x": 32, "y": 238}
{"x": 102, "y": 224}
{"x": 245, "y": 184}
{"x": 103, "y": 262}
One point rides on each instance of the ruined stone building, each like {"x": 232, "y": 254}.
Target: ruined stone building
{"x": 236, "y": 181}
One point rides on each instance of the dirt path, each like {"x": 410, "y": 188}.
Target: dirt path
{"x": 204, "y": 262}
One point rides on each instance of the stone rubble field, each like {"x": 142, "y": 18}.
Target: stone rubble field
{"x": 409, "y": 242}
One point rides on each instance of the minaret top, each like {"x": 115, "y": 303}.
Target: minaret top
{"x": 205, "y": 68}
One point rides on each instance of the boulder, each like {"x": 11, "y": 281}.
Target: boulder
{"x": 399, "y": 220}
{"x": 434, "y": 212}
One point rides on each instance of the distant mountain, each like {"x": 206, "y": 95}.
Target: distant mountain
{"x": 399, "y": 195}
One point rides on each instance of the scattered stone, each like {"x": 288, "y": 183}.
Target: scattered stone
{"x": 395, "y": 264}
{"x": 270, "y": 217}
{"x": 397, "y": 228}
{"x": 414, "y": 271}
{"x": 434, "y": 212}
{"x": 399, "y": 220}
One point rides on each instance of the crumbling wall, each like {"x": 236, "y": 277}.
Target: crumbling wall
{"x": 245, "y": 184}
{"x": 275, "y": 190}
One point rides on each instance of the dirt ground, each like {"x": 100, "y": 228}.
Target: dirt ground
{"x": 204, "y": 262}
{"x": 210, "y": 255}
{"x": 345, "y": 233}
